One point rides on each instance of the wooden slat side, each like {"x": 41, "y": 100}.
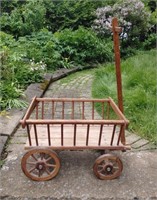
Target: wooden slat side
{"x": 29, "y": 135}
{"x": 36, "y": 135}
{"x": 48, "y": 132}
{"x": 83, "y": 109}
{"x": 87, "y": 137}
{"x": 113, "y": 133}
{"x": 100, "y": 134}
{"x": 62, "y": 136}
{"x": 74, "y": 142}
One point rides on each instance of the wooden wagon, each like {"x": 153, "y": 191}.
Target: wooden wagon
{"x": 73, "y": 124}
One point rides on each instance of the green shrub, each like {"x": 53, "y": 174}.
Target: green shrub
{"x": 83, "y": 45}
{"x": 150, "y": 42}
{"x": 40, "y": 47}
{"x": 16, "y": 74}
{"x": 23, "y": 18}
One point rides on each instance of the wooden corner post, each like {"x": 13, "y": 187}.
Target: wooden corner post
{"x": 116, "y": 30}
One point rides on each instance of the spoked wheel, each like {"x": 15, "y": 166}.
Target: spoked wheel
{"x": 40, "y": 164}
{"x": 107, "y": 167}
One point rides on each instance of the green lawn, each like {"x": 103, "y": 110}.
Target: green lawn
{"x": 139, "y": 77}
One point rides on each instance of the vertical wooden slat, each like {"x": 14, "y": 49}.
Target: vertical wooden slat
{"x": 100, "y": 134}
{"x": 42, "y": 110}
{"x": 29, "y": 137}
{"x": 62, "y": 143}
{"x": 82, "y": 109}
{"x": 53, "y": 110}
{"x": 72, "y": 113}
{"x": 87, "y": 138}
{"x": 37, "y": 111}
{"x": 113, "y": 133}
{"x": 36, "y": 136}
{"x": 102, "y": 110}
{"x": 120, "y": 134}
{"x": 63, "y": 103}
{"x": 92, "y": 109}
{"x": 108, "y": 110}
{"x": 75, "y": 127}
{"x": 48, "y": 131}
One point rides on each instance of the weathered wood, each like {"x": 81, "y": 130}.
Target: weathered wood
{"x": 98, "y": 134}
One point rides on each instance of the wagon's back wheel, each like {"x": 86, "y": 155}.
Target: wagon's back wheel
{"x": 40, "y": 164}
{"x": 107, "y": 167}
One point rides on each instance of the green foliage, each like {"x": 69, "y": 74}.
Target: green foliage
{"x": 40, "y": 46}
{"x": 70, "y": 13}
{"x": 16, "y": 74}
{"x": 23, "y": 20}
{"x": 83, "y": 45}
{"x": 24, "y": 17}
{"x": 139, "y": 89}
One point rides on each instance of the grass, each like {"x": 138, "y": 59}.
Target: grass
{"x": 139, "y": 77}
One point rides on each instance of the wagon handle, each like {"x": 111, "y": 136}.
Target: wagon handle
{"x": 116, "y": 30}
{"x": 28, "y": 113}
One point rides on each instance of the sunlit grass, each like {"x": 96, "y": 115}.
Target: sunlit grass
{"x": 139, "y": 76}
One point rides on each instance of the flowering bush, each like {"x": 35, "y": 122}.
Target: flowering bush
{"x": 132, "y": 16}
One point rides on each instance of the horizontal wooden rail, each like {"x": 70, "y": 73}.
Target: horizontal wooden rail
{"x": 71, "y": 100}
{"x": 108, "y": 122}
{"x": 120, "y": 147}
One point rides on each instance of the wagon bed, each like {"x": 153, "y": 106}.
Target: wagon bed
{"x": 74, "y": 124}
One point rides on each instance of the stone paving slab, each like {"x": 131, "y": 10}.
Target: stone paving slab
{"x": 9, "y": 123}
{"x": 140, "y": 143}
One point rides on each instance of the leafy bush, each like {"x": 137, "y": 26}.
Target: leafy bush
{"x": 70, "y": 14}
{"x": 21, "y": 18}
{"x": 16, "y": 74}
{"x": 83, "y": 45}
{"x": 40, "y": 46}
{"x": 25, "y": 19}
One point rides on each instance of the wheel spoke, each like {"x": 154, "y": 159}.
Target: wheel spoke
{"x": 32, "y": 155}
{"x": 42, "y": 155}
{"x": 101, "y": 170}
{"x": 40, "y": 173}
{"x": 31, "y": 163}
{"x": 47, "y": 171}
{"x": 32, "y": 169}
{"x": 50, "y": 165}
{"x": 48, "y": 159}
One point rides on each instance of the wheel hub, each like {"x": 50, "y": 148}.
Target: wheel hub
{"x": 40, "y": 166}
{"x": 108, "y": 168}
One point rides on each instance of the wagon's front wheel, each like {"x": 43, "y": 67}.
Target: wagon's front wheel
{"x": 107, "y": 167}
{"x": 40, "y": 164}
